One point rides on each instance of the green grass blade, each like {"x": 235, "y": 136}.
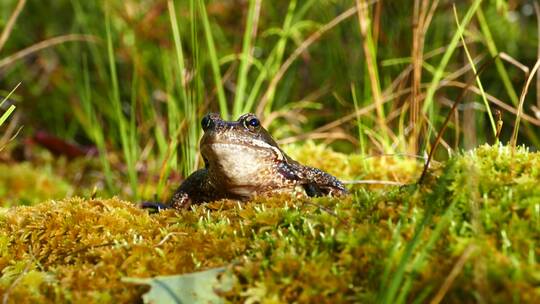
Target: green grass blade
{"x": 245, "y": 59}
{"x": 92, "y": 127}
{"x": 493, "y": 51}
{"x": 6, "y": 114}
{"x": 437, "y": 77}
{"x": 178, "y": 48}
{"x": 214, "y": 61}
{"x": 479, "y": 83}
{"x": 10, "y": 109}
{"x": 117, "y": 106}
{"x": 273, "y": 62}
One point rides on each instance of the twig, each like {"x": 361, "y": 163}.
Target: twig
{"x": 45, "y": 44}
{"x": 302, "y": 48}
{"x": 319, "y": 135}
{"x": 449, "y": 116}
{"x": 329, "y": 211}
{"x": 537, "y": 11}
{"x": 521, "y": 102}
{"x": 453, "y": 274}
{"x": 373, "y": 182}
{"x": 5, "y": 298}
{"x": 11, "y": 22}
{"x": 169, "y": 235}
{"x": 514, "y": 62}
{"x": 501, "y": 104}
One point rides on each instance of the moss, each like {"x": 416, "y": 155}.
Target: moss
{"x": 482, "y": 208}
{"x": 21, "y": 184}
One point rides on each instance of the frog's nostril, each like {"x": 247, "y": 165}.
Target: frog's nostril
{"x": 207, "y": 122}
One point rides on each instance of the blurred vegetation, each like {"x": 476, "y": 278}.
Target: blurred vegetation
{"x": 104, "y": 98}
{"x": 133, "y": 78}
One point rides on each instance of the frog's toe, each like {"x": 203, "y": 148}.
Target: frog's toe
{"x": 154, "y": 206}
{"x": 180, "y": 201}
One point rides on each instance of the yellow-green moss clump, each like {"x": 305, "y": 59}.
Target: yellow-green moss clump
{"x": 21, "y": 184}
{"x": 471, "y": 235}
{"x": 391, "y": 167}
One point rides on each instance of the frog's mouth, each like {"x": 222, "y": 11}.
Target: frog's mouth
{"x": 258, "y": 149}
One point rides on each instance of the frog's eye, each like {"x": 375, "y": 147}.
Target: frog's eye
{"x": 252, "y": 123}
{"x": 206, "y": 122}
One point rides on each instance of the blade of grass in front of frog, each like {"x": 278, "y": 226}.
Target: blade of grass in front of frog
{"x": 119, "y": 118}
{"x": 478, "y": 81}
{"x": 214, "y": 62}
{"x": 245, "y": 58}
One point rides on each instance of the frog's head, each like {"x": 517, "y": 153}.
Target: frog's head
{"x": 243, "y": 140}
{"x": 239, "y": 152}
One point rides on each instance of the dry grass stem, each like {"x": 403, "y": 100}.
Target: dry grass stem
{"x": 524, "y": 92}
{"x": 45, "y": 44}
{"x": 373, "y": 182}
{"x": 501, "y": 104}
{"x": 364, "y": 22}
{"x": 514, "y": 62}
{"x": 298, "y": 51}
{"x": 537, "y": 11}
{"x": 456, "y": 270}
{"x": 11, "y": 23}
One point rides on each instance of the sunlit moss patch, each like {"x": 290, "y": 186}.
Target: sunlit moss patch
{"x": 471, "y": 234}
{"x": 21, "y": 184}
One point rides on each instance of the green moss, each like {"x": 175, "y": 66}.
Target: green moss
{"x": 483, "y": 210}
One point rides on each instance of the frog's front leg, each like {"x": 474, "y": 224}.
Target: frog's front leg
{"x": 196, "y": 189}
{"x": 318, "y": 183}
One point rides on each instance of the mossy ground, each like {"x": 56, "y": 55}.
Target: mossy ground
{"x": 470, "y": 234}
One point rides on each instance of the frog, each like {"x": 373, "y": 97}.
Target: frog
{"x": 242, "y": 161}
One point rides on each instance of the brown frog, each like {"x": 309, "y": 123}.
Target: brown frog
{"x": 242, "y": 160}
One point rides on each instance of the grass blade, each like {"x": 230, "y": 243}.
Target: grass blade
{"x": 437, "y": 77}
{"x": 214, "y": 61}
{"x": 251, "y": 23}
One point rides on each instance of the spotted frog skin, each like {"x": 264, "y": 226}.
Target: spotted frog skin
{"x": 242, "y": 160}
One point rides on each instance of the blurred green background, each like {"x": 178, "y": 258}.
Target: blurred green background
{"x": 130, "y": 80}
